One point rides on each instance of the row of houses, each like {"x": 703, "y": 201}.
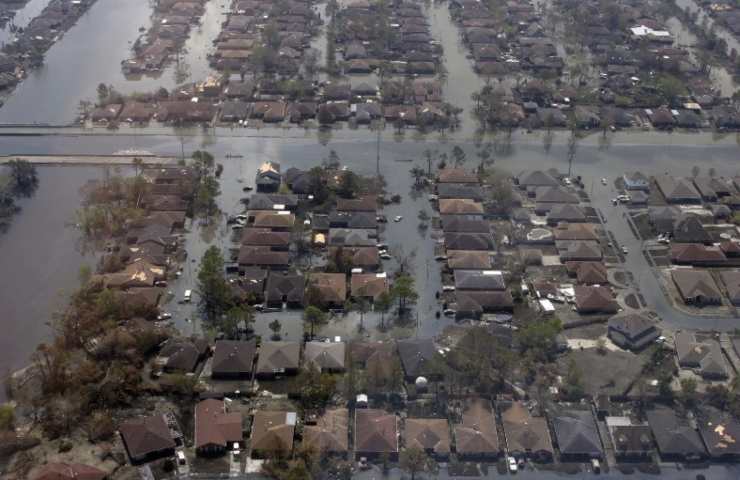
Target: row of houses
{"x": 171, "y": 24}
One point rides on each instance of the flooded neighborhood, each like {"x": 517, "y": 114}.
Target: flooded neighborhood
{"x": 363, "y": 239}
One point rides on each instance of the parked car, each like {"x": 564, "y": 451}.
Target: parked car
{"x": 513, "y": 467}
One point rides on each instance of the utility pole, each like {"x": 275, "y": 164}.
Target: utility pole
{"x": 377, "y": 152}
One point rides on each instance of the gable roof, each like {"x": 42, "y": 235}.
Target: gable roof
{"x": 720, "y": 432}
{"x": 674, "y": 435}
{"x": 479, "y": 280}
{"x": 416, "y": 355}
{"x": 579, "y": 250}
{"x": 676, "y": 189}
{"x": 536, "y": 178}
{"x": 577, "y": 434}
{"x": 469, "y": 241}
{"x": 232, "y": 357}
{"x": 146, "y": 435}
{"x": 468, "y": 259}
{"x": 476, "y": 434}
{"x": 690, "y": 230}
{"x": 554, "y": 195}
{"x": 375, "y": 431}
{"x": 591, "y": 273}
{"x": 594, "y": 299}
{"x": 213, "y": 426}
{"x": 428, "y": 434}
{"x": 475, "y": 302}
{"x": 183, "y": 354}
{"x": 460, "y": 224}
{"x": 264, "y": 237}
{"x": 291, "y": 286}
{"x": 276, "y": 357}
{"x": 368, "y": 284}
{"x": 332, "y": 287}
{"x": 330, "y": 434}
{"x": 456, "y": 175}
{"x": 693, "y": 283}
{"x": 631, "y": 325}
{"x": 574, "y": 231}
{"x": 366, "y": 203}
{"x": 460, "y": 206}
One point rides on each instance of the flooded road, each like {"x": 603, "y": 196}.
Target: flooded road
{"x": 691, "y": 6}
{"x": 22, "y": 16}
{"x": 91, "y": 53}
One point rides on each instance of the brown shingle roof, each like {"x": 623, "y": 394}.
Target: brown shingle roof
{"x": 265, "y": 236}
{"x": 456, "y": 175}
{"x": 146, "y": 435}
{"x": 332, "y": 287}
{"x": 367, "y": 203}
{"x": 460, "y": 206}
{"x": 325, "y": 356}
{"x": 215, "y": 427}
{"x": 330, "y": 434}
{"x": 272, "y": 431}
{"x": 476, "y": 435}
{"x": 428, "y": 434}
{"x": 232, "y": 357}
{"x": 468, "y": 259}
{"x": 375, "y": 431}
{"x": 276, "y": 357}
{"x": 368, "y": 285}
{"x": 594, "y": 299}
{"x": 524, "y": 433}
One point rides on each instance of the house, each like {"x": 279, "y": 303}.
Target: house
{"x": 636, "y": 181}
{"x": 731, "y": 281}
{"x": 353, "y": 237}
{"x": 282, "y": 221}
{"x": 456, "y": 175}
{"x": 469, "y": 241}
{"x": 68, "y": 471}
{"x": 720, "y": 432}
{"x": 182, "y": 355}
{"x": 479, "y": 280}
{"x": 468, "y": 260}
{"x": 278, "y": 358}
{"x": 366, "y": 203}
{"x": 330, "y": 289}
{"x": 663, "y": 219}
{"x": 554, "y": 195}
{"x": 696, "y": 287}
{"x": 283, "y": 287}
{"x": 526, "y": 435}
{"x": 632, "y": 331}
{"x": 376, "y": 434}
{"x": 589, "y": 273}
{"x": 696, "y": 254}
{"x": 363, "y": 220}
{"x": 263, "y": 257}
{"x": 575, "y": 231}
{"x": 674, "y": 436}
{"x": 368, "y": 285}
{"x": 460, "y": 206}
{"x": 147, "y": 439}
{"x": 677, "y": 190}
{"x": 273, "y": 201}
{"x": 418, "y": 358}
{"x": 474, "y": 303}
{"x": 592, "y": 299}
{"x": 327, "y": 357}
{"x": 581, "y": 251}
{"x": 272, "y": 433}
{"x": 536, "y": 178}
{"x": 475, "y": 435}
{"x": 558, "y": 213}
{"x": 689, "y": 229}
{"x": 250, "y": 287}
{"x": 464, "y": 224}
{"x": 431, "y": 435}
{"x": 702, "y": 355}
{"x": 632, "y": 442}
{"x": 577, "y": 435}
{"x": 264, "y": 237}
{"x": 365, "y": 258}
{"x": 215, "y": 429}
{"x": 268, "y": 177}
{"x": 330, "y": 433}
{"x": 233, "y": 359}
{"x": 711, "y": 189}
{"x": 460, "y": 190}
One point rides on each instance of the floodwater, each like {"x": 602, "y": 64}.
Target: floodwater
{"x": 692, "y": 6}
{"x": 22, "y": 17}
{"x": 40, "y": 261}
{"x": 91, "y": 52}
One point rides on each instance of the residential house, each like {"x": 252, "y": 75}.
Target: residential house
{"x": 181, "y": 355}
{"x": 376, "y": 434}
{"x": 330, "y": 433}
{"x": 703, "y": 355}
{"x": 353, "y": 237}
{"x": 674, "y": 436}
{"x": 631, "y": 441}
{"x": 479, "y": 280}
{"x": 431, "y": 435}
{"x": 233, "y": 359}
{"x": 418, "y": 358}
{"x": 330, "y": 289}
{"x": 526, "y": 435}
{"x": 696, "y": 287}
{"x": 474, "y": 303}
{"x": 635, "y": 181}
{"x": 367, "y": 203}
{"x": 273, "y": 201}
{"x": 464, "y": 224}
{"x": 559, "y": 213}
{"x": 697, "y": 254}
{"x": 720, "y": 432}
{"x": 589, "y": 273}
{"x": 460, "y": 190}
{"x": 215, "y": 429}
{"x": 460, "y": 206}
{"x": 282, "y": 221}
{"x": 575, "y": 231}
{"x": 577, "y": 435}
{"x": 689, "y": 229}
{"x": 327, "y": 357}
{"x": 476, "y": 436}
{"x": 469, "y": 241}
{"x": 368, "y": 285}
{"x": 68, "y": 471}
{"x": 731, "y": 281}
{"x": 593, "y": 299}
{"x": 365, "y": 258}
{"x": 663, "y": 219}
{"x": 272, "y": 433}
{"x": 579, "y": 251}
{"x": 278, "y": 358}
{"x": 147, "y": 439}
{"x": 456, "y": 175}
{"x": 263, "y": 257}
{"x": 283, "y": 287}
{"x": 268, "y": 177}
{"x": 468, "y": 260}
{"x": 264, "y": 237}
{"x": 536, "y": 178}
{"x": 677, "y": 190}
{"x": 632, "y": 331}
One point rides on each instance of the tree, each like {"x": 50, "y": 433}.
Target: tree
{"x": 316, "y": 388}
{"x": 311, "y": 62}
{"x": 383, "y": 305}
{"x": 275, "y": 326}
{"x": 688, "y": 391}
{"x": 574, "y": 381}
{"x": 695, "y": 171}
{"x": 418, "y": 174}
{"x": 102, "y": 94}
{"x": 7, "y": 417}
{"x": 313, "y": 316}
{"x": 23, "y": 176}
{"x": 361, "y": 306}
{"x": 213, "y": 288}
{"x": 235, "y": 317}
{"x": 458, "y": 155}
{"x": 414, "y": 460}
{"x": 405, "y": 291}
{"x": 349, "y": 185}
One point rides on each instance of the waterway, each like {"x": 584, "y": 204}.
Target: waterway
{"x": 690, "y": 5}
{"x": 21, "y": 19}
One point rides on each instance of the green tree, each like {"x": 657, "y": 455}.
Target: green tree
{"x": 414, "y": 461}
{"x": 7, "y": 417}
{"x": 23, "y": 176}
{"x": 214, "y": 290}
{"x": 382, "y": 305}
{"x": 349, "y": 185}
{"x": 316, "y": 388}
{"x": 313, "y": 316}
{"x": 458, "y": 156}
{"x": 275, "y": 326}
{"x": 688, "y": 391}
{"x": 236, "y": 317}
{"x": 405, "y": 291}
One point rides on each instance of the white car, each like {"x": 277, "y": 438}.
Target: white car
{"x": 625, "y": 250}
{"x": 164, "y": 316}
{"x": 567, "y": 181}
{"x": 397, "y": 218}
{"x": 603, "y": 181}
{"x": 385, "y": 256}
{"x": 513, "y": 467}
